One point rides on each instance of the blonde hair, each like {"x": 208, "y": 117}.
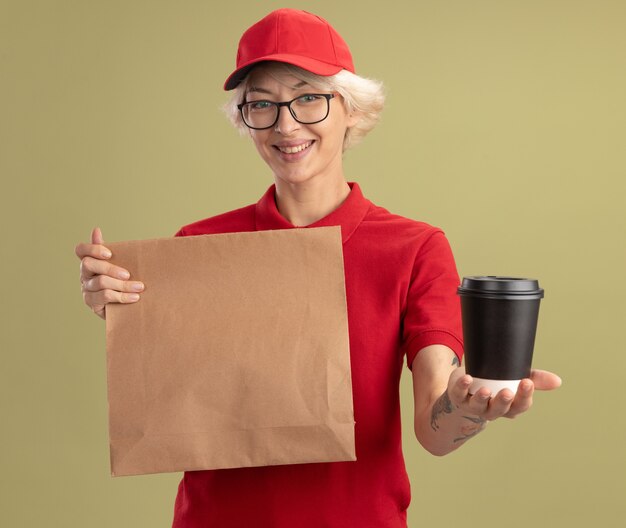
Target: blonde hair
{"x": 361, "y": 95}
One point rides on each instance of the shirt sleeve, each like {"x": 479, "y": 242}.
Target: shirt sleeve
{"x": 433, "y": 310}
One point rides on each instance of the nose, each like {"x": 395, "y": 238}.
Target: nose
{"x": 286, "y": 124}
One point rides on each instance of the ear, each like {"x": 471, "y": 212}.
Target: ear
{"x": 353, "y": 118}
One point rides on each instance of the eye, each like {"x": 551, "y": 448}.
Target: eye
{"x": 309, "y": 98}
{"x": 259, "y": 105}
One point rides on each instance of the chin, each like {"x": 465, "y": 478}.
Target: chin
{"x": 292, "y": 174}
{"x": 294, "y": 178}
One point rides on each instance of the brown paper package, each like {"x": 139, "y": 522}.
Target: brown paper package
{"x": 236, "y": 355}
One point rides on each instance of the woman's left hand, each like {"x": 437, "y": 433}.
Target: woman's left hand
{"x": 503, "y": 404}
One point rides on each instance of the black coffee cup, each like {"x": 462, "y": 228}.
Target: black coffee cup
{"x": 499, "y": 325}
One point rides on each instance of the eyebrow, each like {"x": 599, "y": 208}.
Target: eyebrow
{"x": 265, "y": 91}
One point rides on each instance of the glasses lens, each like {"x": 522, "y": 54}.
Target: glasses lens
{"x": 307, "y": 109}
{"x": 310, "y": 108}
{"x": 259, "y": 114}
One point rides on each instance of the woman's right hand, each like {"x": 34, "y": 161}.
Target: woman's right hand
{"x": 102, "y": 282}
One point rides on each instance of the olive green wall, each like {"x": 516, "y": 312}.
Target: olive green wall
{"x": 505, "y": 125}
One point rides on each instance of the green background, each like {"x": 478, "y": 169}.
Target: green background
{"x": 505, "y": 125}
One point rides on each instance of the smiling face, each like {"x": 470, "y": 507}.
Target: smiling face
{"x": 295, "y": 152}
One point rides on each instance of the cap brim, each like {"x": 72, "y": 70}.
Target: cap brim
{"x": 306, "y": 63}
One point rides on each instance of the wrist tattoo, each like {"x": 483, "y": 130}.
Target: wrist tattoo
{"x": 476, "y": 426}
{"x": 456, "y": 362}
{"x": 442, "y": 406}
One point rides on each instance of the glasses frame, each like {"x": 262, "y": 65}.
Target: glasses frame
{"x": 278, "y": 105}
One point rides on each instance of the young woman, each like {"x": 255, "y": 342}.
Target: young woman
{"x": 298, "y": 98}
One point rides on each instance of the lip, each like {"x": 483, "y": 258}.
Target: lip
{"x": 292, "y": 143}
{"x": 296, "y": 156}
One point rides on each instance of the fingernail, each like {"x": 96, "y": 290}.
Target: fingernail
{"x": 123, "y": 275}
{"x": 106, "y": 253}
{"x": 133, "y": 297}
{"x": 138, "y": 286}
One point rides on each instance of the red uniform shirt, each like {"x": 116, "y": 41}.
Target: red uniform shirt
{"x": 401, "y": 283}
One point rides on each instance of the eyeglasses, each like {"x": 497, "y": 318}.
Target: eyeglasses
{"x": 307, "y": 109}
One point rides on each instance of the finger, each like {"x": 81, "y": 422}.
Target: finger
{"x": 95, "y": 248}
{"x": 523, "y": 399}
{"x": 83, "y": 250}
{"x": 105, "y": 282}
{"x": 545, "y": 380}
{"x": 459, "y": 391}
{"x": 96, "y": 236}
{"x": 97, "y": 300}
{"x": 499, "y": 405}
{"x": 98, "y": 309}
{"x": 91, "y": 266}
{"x": 479, "y": 402}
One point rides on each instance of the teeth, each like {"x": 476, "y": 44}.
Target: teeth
{"x": 293, "y": 150}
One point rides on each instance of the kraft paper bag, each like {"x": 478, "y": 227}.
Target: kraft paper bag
{"x": 236, "y": 355}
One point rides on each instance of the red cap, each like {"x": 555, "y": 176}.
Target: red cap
{"x": 295, "y": 37}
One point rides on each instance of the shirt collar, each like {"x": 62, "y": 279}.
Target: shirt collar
{"x": 348, "y": 215}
